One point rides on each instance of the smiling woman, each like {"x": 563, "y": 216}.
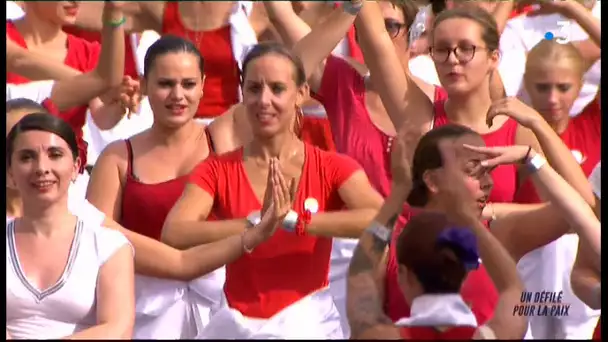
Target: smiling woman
{"x": 79, "y": 257}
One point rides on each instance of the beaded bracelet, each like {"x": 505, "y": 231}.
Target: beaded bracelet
{"x": 118, "y": 23}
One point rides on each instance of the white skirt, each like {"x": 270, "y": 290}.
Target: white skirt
{"x": 312, "y": 317}
{"x": 170, "y": 309}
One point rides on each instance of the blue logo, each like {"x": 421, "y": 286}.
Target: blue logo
{"x": 549, "y": 36}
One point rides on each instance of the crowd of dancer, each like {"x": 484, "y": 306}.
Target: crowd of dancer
{"x": 395, "y": 169}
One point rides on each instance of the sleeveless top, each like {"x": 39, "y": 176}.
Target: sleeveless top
{"x": 597, "y": 333}
{"x": 155, "y": 200}
{"x": 286, "y": 268}
{"x": 222, "y": 75}
{"x": 68, "y": 306}
{"x": 504, "y": 176}
{"x": 95, "y": 38}
{"x": 444, "y": 310}
{"x": 478, "y": 290}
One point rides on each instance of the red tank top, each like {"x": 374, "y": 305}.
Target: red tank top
{"x": 430, "y": 333}
{"x": 504, "y": 176}
{"x": 95, "y": 37}
{"x": 287, "y": 267}
{"x": 583, "y": 136}
{"x": 155, "y": 200}
{"x": 222, "y": 75}
{"x": 477, "y": 290}
{"x": 81, "y": 56}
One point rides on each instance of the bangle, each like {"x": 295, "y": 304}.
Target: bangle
{"x": 379, "y": 231}
{"x": 290, "y": 221}
{"x": 525, "y": 158}
{"x": 245, "y": 248}
{"x": 117, "y": 23}
{"x": 352, "y": 9}
{"x": 536, "y": 163}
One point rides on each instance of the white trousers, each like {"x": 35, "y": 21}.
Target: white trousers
{"x": 313, "y": 317}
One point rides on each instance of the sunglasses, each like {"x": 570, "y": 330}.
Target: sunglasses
{"x": 394, "y": 27}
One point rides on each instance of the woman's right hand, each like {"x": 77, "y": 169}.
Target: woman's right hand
{"x": 278, "y": 198}
{"x": 502, "y": 155}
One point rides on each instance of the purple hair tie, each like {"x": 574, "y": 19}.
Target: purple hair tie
{"x": 464, "y": 243}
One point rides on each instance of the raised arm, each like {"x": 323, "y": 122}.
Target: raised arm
{"x": 35, "y": 66}
{"x": 79, "y": 90}
{"x": 585, "y": 278}
{"x": 314, "y": 48}
{"x": 402, "y": 98}
{"x": 140, "y": 15}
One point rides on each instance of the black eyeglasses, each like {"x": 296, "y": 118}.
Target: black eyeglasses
{"x": 463, "y": 54}
{"x": 393, "y": 27}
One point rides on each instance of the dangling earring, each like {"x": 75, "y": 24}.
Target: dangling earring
{"x": 298, "y": 122}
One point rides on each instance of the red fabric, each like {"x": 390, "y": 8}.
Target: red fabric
{"x": 583, "y": 136}
{"x": 504, "y": 176}
{"x": 222, "y": 75}
{"x": 81, "y": 56}
{"x": 342, "y": 93}
{"x": 430, "y": 333}
{"x": 287, "y": 267}
{"x": 477, "y": 290}
{"x": 95, "y": 37}
{"x": 597, "y": 332}
{"x": 317, "y": 131}
{"x": 519, "y": 11}
{"x": 146, "y": 206}
{"x": 354, "y": 50}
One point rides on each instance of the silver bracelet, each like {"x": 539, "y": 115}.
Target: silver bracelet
{"x": 536, "y": 163}
{"x": 290, "y": 221}
{"x": 380, "y": 231}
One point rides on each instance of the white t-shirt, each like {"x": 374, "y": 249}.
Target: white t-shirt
{"x": 522, "y": 33}
{"x": 13, "y": 11}
{"x": 595, "y": 178}
{"x": 68, "y": 306}
{"x": 35, "y": 91}
{"x": 423, "y": 67}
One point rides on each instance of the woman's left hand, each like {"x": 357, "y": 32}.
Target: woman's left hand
{"x": 502, "y": 155}
{"x": 515, "y": 109}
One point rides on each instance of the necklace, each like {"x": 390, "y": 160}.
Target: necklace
{"x": 195, "y": 35}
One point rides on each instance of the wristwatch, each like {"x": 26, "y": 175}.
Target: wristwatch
{"x": 379, "y": 231}
{"x": 254, "y": 218}
{"x": 352, "y": 9}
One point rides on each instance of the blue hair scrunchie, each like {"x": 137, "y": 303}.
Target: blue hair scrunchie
{"x": 464, "y": 244}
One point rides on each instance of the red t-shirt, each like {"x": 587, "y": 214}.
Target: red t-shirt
{"x": 583, "y": 137}
{"x": 430, "y": 333}
{"x": 342, "y": 93}
{"x": 504, "y": 176}
{"x": 477, "y": 290}
{"x": 222, "y": 75}
{"x": 95, "y": 37}
{"x": 287, "y": 267}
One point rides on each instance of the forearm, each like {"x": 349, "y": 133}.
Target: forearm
{"x": 586, "y": 20}
{"x": 502, "y": 13}
{"x": 497, "y": 211}
{"x": 342, "y": 224}
{"x": 572, "y": 206}
{"x": 364, "y": 300}
{"x": 561, "y": 159}
{"x": 111, "y": 65}
{"x": 324, "y": 37}
{"x": 35, "y": 66}
{"x": 289, "y": 25}
{"x": 107, "y": 115}
{"x": 586, "y": 287}
{"x": 106, "y": 331}
{"x": 184, "y": 235}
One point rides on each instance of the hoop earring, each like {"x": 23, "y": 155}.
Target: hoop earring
{"x": 298, "y": 121}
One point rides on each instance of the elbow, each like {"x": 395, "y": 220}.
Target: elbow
{"x": 123, "y": 330}
{"x": 169, "y": 237}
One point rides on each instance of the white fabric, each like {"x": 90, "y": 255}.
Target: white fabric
{"x": 68, "y": 306}
{"x": 35, "y": 91}
{"x": 596, "y": 180}
{"x": 522, "y": 33}
{"x": 242, "y": 35}
{"x": 13, "y": 11}
{"x": 313, "y": 317}
{"x": 423, "y": 67}
{"x": 169, "y": 309}
{"x": 341, "y": 254}
{"x": 439, "y": 310}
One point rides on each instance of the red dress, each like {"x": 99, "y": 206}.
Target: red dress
{"x": 583, "y": 136}
{"x": 146, "y": 206}
{"x": 287, "y": 267}
{"x": 430, "y": 333}
{"x": 222, "y": 75}
{"x": 81, "y": 56}
{"x": 597, "y": 333}
{"x": 477, "y": 290}
{"x": 95, "y": 37}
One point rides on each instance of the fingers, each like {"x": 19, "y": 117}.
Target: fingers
{"x": 489, "y": 151}
{"x": 280, "y": 187}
